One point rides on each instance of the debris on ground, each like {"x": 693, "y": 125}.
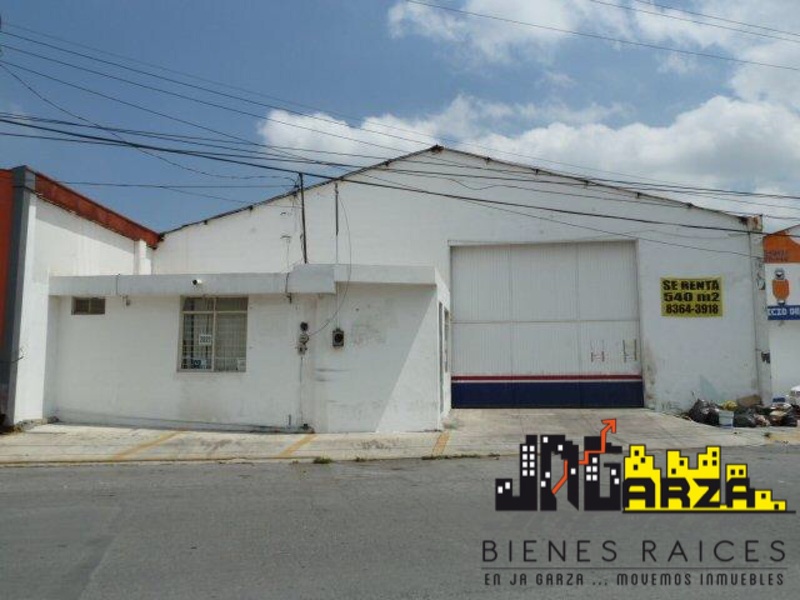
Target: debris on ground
{"x": 746, "y": 413}
{"x": 746, "y": 419}
{"x": 704, "y": 412}
{"x": 762, "y": 421}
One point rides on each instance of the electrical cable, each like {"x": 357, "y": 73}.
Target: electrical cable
{"x": 695, "y": 21}
{"x": 130, "y": 104}
{"x": 216, "y": 156}
{"x": 581, "y": 181}
{"x": 502, "y": 207}
{"x": 631, "y": 186}
{"x": 190, "y": 85}
{"x": 605, "y": 38}
{"x": 190, "y": 98}
{"x": 546, "y": 185}
{"x": 395, "y": 128}
{"x": 714, "y": 18}
{"x": 540, "y": 159}
{"x": 58, "y": 107}
{"x": 349, "y": 265}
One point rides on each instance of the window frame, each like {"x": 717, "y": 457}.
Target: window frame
{"x": 213, "y": 312}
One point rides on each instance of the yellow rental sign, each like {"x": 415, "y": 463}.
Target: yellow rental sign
{"x": 682, "y": 297}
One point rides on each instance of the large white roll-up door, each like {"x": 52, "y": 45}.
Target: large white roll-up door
{"x": 546, "y": 325}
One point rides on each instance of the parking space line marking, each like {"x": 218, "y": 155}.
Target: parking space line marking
{"x": 287, "y": 452}
{"x": 146, "y": 445}
{"x": 441, "y": 443}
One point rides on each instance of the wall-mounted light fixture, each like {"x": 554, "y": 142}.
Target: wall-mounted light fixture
{"x": 337, "y": 338}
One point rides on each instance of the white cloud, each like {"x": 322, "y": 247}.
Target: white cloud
{"x": 498, "y": 40}
{"x": 753, "y": 82}
{"x": 414, "y": 18}
{"x": 387, "y": 135}
{"x": 555, "y": 79}
{"x": 494, "y": 41}
{"x": 724, "y": 142}
{"x": 718, "y": 143}
{"x": 678, "y": 63}
{"x": 747, "y": 139}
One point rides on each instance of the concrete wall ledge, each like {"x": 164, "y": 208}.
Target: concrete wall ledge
{"x": 303, "y": 279}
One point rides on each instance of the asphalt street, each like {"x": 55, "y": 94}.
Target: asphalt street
{"x": 383, "y": 529}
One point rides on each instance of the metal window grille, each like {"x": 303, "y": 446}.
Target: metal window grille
{"x": 214, "y": 334}
{"x": 88, "y": 306}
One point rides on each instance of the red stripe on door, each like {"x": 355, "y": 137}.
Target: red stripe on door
{"x": 546, "y": 377}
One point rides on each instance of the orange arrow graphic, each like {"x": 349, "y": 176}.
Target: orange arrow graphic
{"x": 610, "y": 424}
{"x": 563, "y": 479}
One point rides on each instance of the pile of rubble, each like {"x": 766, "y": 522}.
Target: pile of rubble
{"x": 747, "y": 412}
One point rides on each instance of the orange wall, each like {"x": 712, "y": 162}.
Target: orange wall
{"x": 6, "y": 211}
{"x": 781, "y": 248}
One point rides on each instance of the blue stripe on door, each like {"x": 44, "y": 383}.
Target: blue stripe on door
{"x": 548, "y": 394}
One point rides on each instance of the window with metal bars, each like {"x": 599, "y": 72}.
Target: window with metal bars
{"x": 88, "y": 306}
{"x": 213, "y": 334}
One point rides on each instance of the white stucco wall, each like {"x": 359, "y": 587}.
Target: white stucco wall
{"x": 266, "y": 239}
{"x": 386, "y": 376}
{"x": 58, "y": 243}
{"x": 122, "y": 367}
{"x": 710, "y": 358}
{"x": 715, "y": 358}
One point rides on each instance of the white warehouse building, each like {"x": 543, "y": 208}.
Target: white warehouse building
{"x": 376, "y": 301}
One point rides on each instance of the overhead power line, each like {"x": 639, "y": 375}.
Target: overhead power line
{"x": 605, "y": 38}
{"x": 366, "y": 130}
{"x": 60, "y": 108}
{"x": 185, "y": 74}
{"x": 286, "y": 156}
{"x": 442, "y": 139}
{"x": 516, "y": 175}
{"x": 194, "y": 194}
{"x": 258, "y": 151}
{"x": 492, "y": 180}
{"x": 429, "y": 140}
{"x": 483, "y": 181}
{"x": 665, "y": 15}
{"x": 178, "y": 151}
{"x": 511, "y": 207}
{"x": 342, "y": 165}
{"x": 173, "y": 186}
{"x": 714, "y": 18}
{"x": 217, "y": 156}
{"x": 124, "y": 102}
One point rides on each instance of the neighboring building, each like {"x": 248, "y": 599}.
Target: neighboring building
{"x": 782, "y": 266}
{"x": 565, "y": 292}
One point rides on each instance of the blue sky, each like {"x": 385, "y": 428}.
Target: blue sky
{"x": 356, "y": 66}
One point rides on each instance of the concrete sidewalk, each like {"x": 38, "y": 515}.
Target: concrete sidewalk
{"x": 468, "y": 432}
